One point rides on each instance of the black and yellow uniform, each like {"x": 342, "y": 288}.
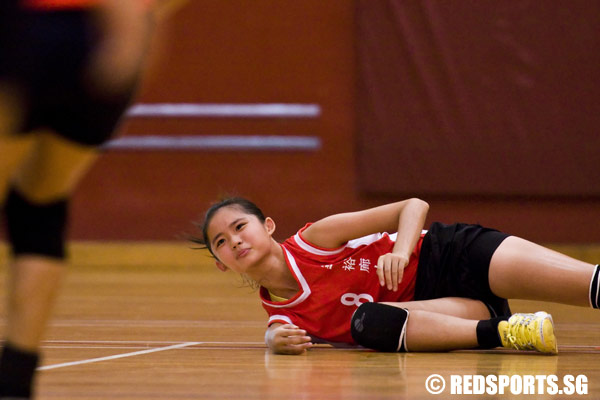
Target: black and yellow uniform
{"x": 45, "y": 48}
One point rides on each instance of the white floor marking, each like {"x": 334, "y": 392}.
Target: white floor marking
{"x": 116, "y": 356}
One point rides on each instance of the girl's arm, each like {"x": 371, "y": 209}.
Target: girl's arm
{"x": 406, "y": 217}
{"x": 287, "y": 339}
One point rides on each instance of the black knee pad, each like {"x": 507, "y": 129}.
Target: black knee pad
{"x": 380, "y": 327}
{"x": 37, "y": 229}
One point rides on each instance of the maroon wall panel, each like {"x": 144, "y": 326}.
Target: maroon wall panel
{"x": 479, "y": 97}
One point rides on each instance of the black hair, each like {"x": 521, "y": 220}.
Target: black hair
{"x": 245, "y": 204}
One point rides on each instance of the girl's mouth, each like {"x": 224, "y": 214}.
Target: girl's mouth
{"x": 242, "y": 253}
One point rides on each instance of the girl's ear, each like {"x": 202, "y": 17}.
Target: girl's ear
{"x": 270, "y": 225}
{"x": 221, "y": 266}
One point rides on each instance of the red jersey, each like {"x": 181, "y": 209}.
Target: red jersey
{"x": 334, "y": 282}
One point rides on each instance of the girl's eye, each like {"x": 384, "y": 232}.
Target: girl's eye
{"x": 240, "y": 226}
{"x": 220, "y": 242}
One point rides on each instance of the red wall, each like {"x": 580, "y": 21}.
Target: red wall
{"x": 479, "y": 98}
{"x": 270, "y": 52}
{"x": 235, "y": 52}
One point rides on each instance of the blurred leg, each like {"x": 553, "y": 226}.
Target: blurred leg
{"x": 53, "y": 168}
{"x": 49, "y": 172}
{"x": 42, "y": 180}
{"x": 33, "y": 286}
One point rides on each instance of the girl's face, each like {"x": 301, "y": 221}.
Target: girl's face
{"x": 239, "y": 240}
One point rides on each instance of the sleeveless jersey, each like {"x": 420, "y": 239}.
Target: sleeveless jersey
{"x": 334, "y": 282}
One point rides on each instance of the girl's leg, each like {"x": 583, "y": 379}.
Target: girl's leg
{"x": 429, "y": 331}
{"x": 448, "y": 323}
{"x": 520, "y": 269}
{"x": 452, "y": 306}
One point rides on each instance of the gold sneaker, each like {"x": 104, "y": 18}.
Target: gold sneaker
{"x": 529, "y": 332}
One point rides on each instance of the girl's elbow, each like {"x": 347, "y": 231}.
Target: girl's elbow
{"x": 420, "y": 203}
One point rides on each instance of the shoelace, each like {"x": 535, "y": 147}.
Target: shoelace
{"x": 520, "y": 333}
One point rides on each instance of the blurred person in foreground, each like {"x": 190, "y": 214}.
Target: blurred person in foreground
{"x": 68, "y": 71}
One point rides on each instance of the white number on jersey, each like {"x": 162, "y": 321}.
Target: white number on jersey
{"x": 353, "y": 299}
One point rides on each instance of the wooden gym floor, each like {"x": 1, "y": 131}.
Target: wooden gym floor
{"x": 158, "y": 321}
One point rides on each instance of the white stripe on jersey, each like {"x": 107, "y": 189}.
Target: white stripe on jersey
{"x": 365, "y": 240}
{"x": 393, "y": 236}
{"x": 275, "y": 318}
{"x": 311, "y": 249}
{"x": 303, "y": 285}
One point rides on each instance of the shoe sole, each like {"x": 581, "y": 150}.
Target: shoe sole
{"x": 545, "y": 315}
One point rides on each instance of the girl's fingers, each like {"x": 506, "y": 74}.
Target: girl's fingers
{"x": 290, "y": 329}
{"x": 380, "y": 274}
{"x": 296, "y": 344}
{"x": 381, "y": 262}
{"x": 390, "y": 270}
{"x": 295, "y": 335}
{"x": 395, "y": 272}
{"x": 296, "y": 339}
{"x": 296, "y": 349}
{"x": 300, "y": 340}
{"x": 388, "y": 275}
{"x": 384, "y": 271}
{"x": 379, "y": 271}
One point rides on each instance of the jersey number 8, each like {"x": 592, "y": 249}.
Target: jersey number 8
{"x": 353, "y": 299}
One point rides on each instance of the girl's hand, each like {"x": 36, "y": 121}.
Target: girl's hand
{"x": 390, "y": 268}
{"x": 287, "y": 339}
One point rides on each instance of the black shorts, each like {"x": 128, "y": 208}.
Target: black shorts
{"x": 44, "y": 56}
{"x": 455, "y": 261}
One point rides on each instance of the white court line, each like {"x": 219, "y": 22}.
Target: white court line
{"x": 157, "y": 323}
{"x": 116, "y": 356}
{"x": 130, "y": 344}
{"x": 146, "y": 342}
